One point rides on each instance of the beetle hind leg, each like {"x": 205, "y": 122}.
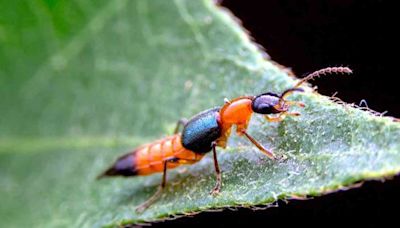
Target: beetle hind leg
{"x": 157, "y": 194}
{"x": 143, "y": 206}
{"x": 218, "y": 173}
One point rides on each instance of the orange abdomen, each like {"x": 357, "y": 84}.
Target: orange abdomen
{"x": 150, "y": 158}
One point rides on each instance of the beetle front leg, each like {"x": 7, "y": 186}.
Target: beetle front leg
{"x": 259, "y": 146}
{"x": 281, "y": 116}
{"x": 278, "y": 118}
{"x": 296, "y": 103}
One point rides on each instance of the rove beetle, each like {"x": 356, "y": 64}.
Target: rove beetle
{"x": 207, "y": 130}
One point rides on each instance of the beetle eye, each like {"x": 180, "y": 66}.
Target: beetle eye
{"x": 264, "y": 103}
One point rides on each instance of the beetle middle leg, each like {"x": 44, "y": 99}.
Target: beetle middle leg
{"x": 218, "y": 184}
{"x": 180, "y": 123}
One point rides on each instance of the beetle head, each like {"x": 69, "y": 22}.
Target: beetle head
{"x": 271, "y": 103}
{"x": 266, "y": 103}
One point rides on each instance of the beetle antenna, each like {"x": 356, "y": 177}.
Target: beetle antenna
{"x": 315, "y": 74}
{"x": 291, "y": 90}
{"x": 324, "y": 71}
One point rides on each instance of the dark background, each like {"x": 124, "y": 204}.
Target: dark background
{"x": 306, "y": 36}
{"x": 309, "y": 35}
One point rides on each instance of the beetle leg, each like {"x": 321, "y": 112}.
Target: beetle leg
{"x": 259, "y": 146}
{"x": 180, "y": 123}
{"x": 278, "y": 118}
{"x": 156, "y": 195}
{"x": 297, "y": 103}
{"x": 217, "y": 187}
{"x": 281, "y": 116}
{"x": 293, "y": 114}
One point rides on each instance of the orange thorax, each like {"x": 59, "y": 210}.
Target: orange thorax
{"x": 236, "y": 112}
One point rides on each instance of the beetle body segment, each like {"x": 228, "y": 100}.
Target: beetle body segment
{"x": 124, "y": 166}
{"x": 235, "y": 112}
{"x": 150, "y": 158}
{"x": 201, "y": 131}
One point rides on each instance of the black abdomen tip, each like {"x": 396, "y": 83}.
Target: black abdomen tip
{"x": 124, "y": 166}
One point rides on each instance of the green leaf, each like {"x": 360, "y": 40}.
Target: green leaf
{"x": 84, "y": 82}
